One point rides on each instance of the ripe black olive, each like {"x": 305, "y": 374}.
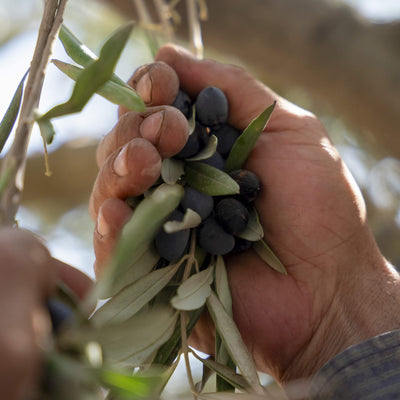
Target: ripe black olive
{"x": 195, "y": 142}
{"x": 232, "y": 215}
{"x": 211, "y": 106}
{"x": 215, "y": 161}
{"x": 198, "y": 201}
{"x": 172, "y": 245}
{"x": 213, "y": 239}
{"x": 60, "y": 314}
{"x": 226, "y": 135}
{"x": 249, "y": 184}
{"x": 241, "y": 245}
{"x": 183, "y": 103}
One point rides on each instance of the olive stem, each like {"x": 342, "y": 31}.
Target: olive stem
{"x": 50, "y": 24}
{"x": 185, "y": 350}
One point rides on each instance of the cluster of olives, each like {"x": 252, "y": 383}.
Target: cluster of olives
{"x": 223, "y": 218}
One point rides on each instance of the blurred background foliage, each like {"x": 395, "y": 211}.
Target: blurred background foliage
{"x": 315, "y": 76}
{"x": 56, "y": 206}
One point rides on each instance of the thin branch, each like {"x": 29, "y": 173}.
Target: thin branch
{"x": 144, "y": 15}
{"x": 185, "y": 351}
{"x": 50, "y": 24}
{"x": 164, "y": 14}
{"x": 195, "y": 28}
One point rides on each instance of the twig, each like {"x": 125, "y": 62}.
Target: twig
{"x": 185, "y": 351}
{"x": 50, "y": 24}
{"x": 195, "y": 28}
{"x": 144, "y": 15}
{"x": 163, "y": 11}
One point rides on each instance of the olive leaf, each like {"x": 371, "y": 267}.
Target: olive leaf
{"x": 11, "y": 114}
{"x": 210, "y": 180}
{"x": 168, "y": 352}
{"x": 139, "y": 231}
{"x": 222, "y": 285}
{"x": 127, "y": 343}
{"x": 114, "y": 92}
{"x": 254, "y": 230}
{"x": 224, "y": 295}
{"x": 171, "y": 170}
{"x": 95, "y": 75}
{"x": 245, "y": 142}
{"x": 208, "y": 150}
{"x": 46, "y": 130}
{"x": 266, "y": 253}
{"x": 191, "y": 219}
{"x": 125, "y": 385}
{"x": 133, "y": 297}
{"x": 192, "y": 120}
{"x": 80, "y": 53}
{"x": 232, "y": 396}
{"x": 225, "y": 372}
{"x": 147, "y": 259}
{"x": 193, "y": 292}
{"x": 234, "y": 343}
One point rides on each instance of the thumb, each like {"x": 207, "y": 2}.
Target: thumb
{"x": 247, "y": 97}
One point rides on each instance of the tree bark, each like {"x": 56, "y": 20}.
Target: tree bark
{"x": 344, "y": 62}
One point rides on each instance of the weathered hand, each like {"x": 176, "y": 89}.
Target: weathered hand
{"x": 311, "y": 209}
{"x": 28, "y": 277}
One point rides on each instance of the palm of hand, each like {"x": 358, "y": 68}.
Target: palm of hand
{"x": 304, "y": 213}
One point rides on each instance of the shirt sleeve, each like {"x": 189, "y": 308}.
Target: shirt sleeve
{"x": 369, "y": 370}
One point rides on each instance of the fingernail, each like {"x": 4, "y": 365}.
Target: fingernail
{"x": 143, "y": 87}
{"x": 150, "y": 127}
{"x": 120, "y": 165}
{"x": 102, "y": 226}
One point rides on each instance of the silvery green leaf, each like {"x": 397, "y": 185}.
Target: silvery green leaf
{"x": 222, "y": 285}
{"x": 171, "y": 170}
{"x": 254, "y": 230}
{"x": 11, "y": 114}
{"x": 233, "y": 341}
{"x": 245, "y": 142}
{"x": 80, "y": 53}
{"x": 192, "y": 121}
{"x": 191, "y": 219}
{"x": 139, "y": 231}
{"x": 168, "y": 352}
{"x": 95, "y": 75}
{"x": 133, "y": 297}
{"x": 114, "y": 92}
{"x": 193, "y": 292}
{"x": 225, "y": 372}
{"x": 125, "y": 385}
{"x": 266, "y": 253}
{"x": 208, "y": 150}
{"x": 209, "y": 180}
{"x": 46, "y": 130}
{"x": 147, "y": 259}
{"x": 233, "y": 396}
{"x": 127, "y": 343}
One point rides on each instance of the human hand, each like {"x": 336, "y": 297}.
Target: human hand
{"x": 28, "y": 277}
{"x": 339, "y": 289}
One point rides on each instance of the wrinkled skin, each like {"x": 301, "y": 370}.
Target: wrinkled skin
{"x": 339, "y": 289}
{"x": 28, "y": 277}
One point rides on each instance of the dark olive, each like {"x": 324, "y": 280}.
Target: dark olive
{"x": 211, "y": 106}
{"x": 213, "y": 239}
{"x": 172, "y": 245}
{"x": 198, "y": 201}
{"x": 232, "y": 215}
{"x": 249, "y": 184}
